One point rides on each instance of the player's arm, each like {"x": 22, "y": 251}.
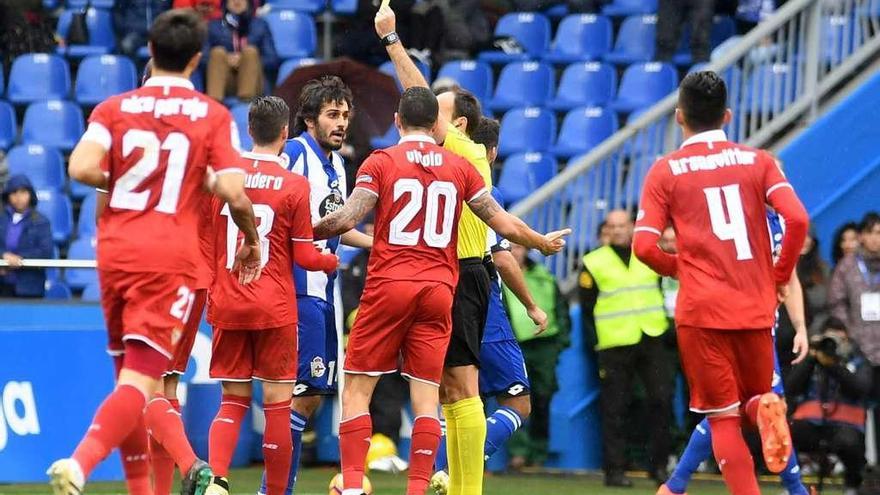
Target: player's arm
{"x": 512, "y": 276}
{"x": 229, "y": 187}
{"x": 407, "y": 73}
{"x": 781, "y": 196}
{"x": 653, "y": 218}
{"x": 102, "y": 198}
{"x": 307, "y": 256}
{"x": 794, "y": 305}
{"x": 85, "y": 161}
{"x": 303, "y": 249}
{"x": 344, "y": 219}
{"x": 356, "y": 238}
{"x": 510, "y": 227}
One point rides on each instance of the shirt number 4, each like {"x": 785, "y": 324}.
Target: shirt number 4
{"x": 732, "y": 225}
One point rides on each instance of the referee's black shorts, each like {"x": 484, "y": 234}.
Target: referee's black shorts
{"x": 469, "y": 309}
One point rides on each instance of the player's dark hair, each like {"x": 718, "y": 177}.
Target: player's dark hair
{"x": 267, "y": 115}
{"x": 176, "y": 37}
{"x": 869, "y": 221}
{"x": 836, "y": 250}
{"x": 468, "y": 106}
{"x": 487, "y": 132}
{"x": 418, "y": 108}
{"x": 702, "y": 99}
{"x": 317, "y": 93}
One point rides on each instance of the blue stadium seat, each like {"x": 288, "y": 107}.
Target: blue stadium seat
{"x": 143, "y": 53}
{"x": 43, "y": 165}
{"x": 102, "y": 38}
{"x": 344, "y": 7}
{"x": 53, "y": 273}
{"x": 92, "y": 292}
{"x": 2, "y": 80}
{"x": 522, "y": 84}
{"x": 636, "y": 40}
{"x": 294, "y": 33}
{"x": 768, "y": 88}
{"x": 100, "y": 4}
{"x": 723, "y": 28}
{"x": 623, "y": 8}
{"x": 38, "y": 76}
{"x": 307, "y": 6}
{"x": 53, "y": 123}
{"x": 387, "y": 67}
{"x": 85, "y": 223}
{"x": 579, "y": 38}
{"x": 585, "y": 84}
{"x": 839, "y": 37}
{"x": 240, "y": 115}
{"x": 290, "y": 65}
{"x": 531, "y": 29}
{"x": 524, "y": 173}
{"x": 390, "y": 138}
{"x": 472, "y": 75}
{"x": 642, "y": 85}
{"x": 583, "y": 129}
{"x": 8, "y": 125}
{"x": 102, "y": 76}
{"x": 55, "y": 205}
{"x": 78, "y": 190}
{"x": 526, "y": 130}
{"x": 57, "y": 290}
{"x": 81, "y": 249}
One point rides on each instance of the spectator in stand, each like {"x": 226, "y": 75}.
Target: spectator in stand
{"x": 444, "y": 30}
{"x": 854, "y": 297}
{"x": 208, "y": 9}
{"x": 846, "y": 242}
{"x": 25, "y": 27}
{"x": 671, "y": 18}
{"x": 240, "y": 49}
{"x": 132, "y": 20}
{"x": 24, "y": 233}
{"x": 814, "y": 275}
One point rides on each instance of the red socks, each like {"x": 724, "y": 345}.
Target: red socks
{"x": 164, "y": 424}
{"x": 751, "y": 410}
{"x": 354, "y": 442}
{"x": 732, "y": 455}
{"x": 163, "y": 464}
{"x": 422, "y": 451}
{"x": 135, "y": 454}
{"x": 277, "y": 447}
{"x": 115, "y": 419}
{"x": 223, "y": 436}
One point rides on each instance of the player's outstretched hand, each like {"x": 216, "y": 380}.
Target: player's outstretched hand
{"x": 539, "y": 317}
{"x": 385, "y": 21}
{"x": 247, "y": 263}
{"x": 332, "y": 263}
{"x": 782, "y": 293}
{"x": 801, "y": 347}
{"x": 555, "y": 241}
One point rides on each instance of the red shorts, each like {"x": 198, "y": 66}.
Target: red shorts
{"x": 184, "y": 347}
{"x": 267, "y": 355}
{"x": 401, "y": 321}
{"x": 725, "y": 368}
{"x": 149, "y": 307}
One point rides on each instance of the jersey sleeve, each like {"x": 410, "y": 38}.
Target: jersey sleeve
{"x": 653, "y": 213}
{"x": 100, "y": 123}
{"x": 296, "y": 153}
{"x": 774, "y": 179}
{"x": 224, "y": 154}
{"x": 369, "y": 176}
{"x": 300, "y": 213}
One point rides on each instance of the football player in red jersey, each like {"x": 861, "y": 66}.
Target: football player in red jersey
{"x": 418, "y": 189}
{"x": 255, "y": 325}
{"x": 714, "y": 194}
{"x": 160, "y": 139}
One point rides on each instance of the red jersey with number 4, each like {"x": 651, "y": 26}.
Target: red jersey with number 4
{"x": 281, "y": 207}
{"x": 421, "y": 187}
{"x": 714, "y": 194}
{"x": 160, "y": 140}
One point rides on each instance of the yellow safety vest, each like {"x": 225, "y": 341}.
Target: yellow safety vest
{"x": 630, "y": 302}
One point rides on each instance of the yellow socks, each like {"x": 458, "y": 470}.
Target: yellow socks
{"x": 453, "y": 464}
{"x": 465, "y": 444}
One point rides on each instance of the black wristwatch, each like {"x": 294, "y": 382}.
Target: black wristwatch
{"x": 390, "y": 38}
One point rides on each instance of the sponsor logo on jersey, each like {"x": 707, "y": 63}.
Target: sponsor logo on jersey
{"x": 18, "y": 413}
{"x": 260, "y": 180}
{"x": 429, "y": 159}
{"x": 330, "y": 204}
{"x": 317, "y": 367}
{"x": 726, "y": 158}
{"x": 194, "y": 108}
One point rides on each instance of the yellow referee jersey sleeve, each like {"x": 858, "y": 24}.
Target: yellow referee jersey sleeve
{"x": 472, "y": 232}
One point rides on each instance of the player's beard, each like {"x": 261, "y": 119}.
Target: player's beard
{"x": 324, "y": 140}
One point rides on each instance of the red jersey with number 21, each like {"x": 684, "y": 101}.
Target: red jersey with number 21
{"x": 421, "y": 187}
{"x": 160, "y": 140}
{"x": 714, "y": 193}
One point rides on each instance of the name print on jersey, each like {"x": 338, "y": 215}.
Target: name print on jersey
{"x": 260, "y": 180}
{"x": 726, "y": 158}
{"x": 194, "y": 108}
{"x": 429, "y": 159}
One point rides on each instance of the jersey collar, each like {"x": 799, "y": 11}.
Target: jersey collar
{"x": 265, "y": 157}
{"x": 325, "y": 160}
{"x": 707, "y": 137}
{"x": 166, "y": 81}
{"x": 419, "y": 138}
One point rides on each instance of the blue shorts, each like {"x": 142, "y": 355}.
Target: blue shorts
{"x": 778, "y": 388}
{"x": 503, "y": 369}
{"x": 317, "y": 368}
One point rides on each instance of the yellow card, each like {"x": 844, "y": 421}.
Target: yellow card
{"x": 385, "y": 3}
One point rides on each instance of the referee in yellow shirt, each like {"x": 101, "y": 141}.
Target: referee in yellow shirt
{"x": 459, "y": 388}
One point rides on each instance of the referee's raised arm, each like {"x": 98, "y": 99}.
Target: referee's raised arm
{"x": 407, "y": 72}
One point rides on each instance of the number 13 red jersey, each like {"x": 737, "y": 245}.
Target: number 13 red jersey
{"x": 421, "y": 187}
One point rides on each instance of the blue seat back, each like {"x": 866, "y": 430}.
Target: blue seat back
{"x": 523, "y": 173}
{"x": 637, "y": 37}
{"x": 53, "y": 123}
{"x": 769, "y": 87}
{"x": 8, "y": 125}
{"x": 586, "y": 127}
{"x": 288, "y": 66}
{"x": 294, "y": 33}
{"x": 102, "y": 76}
{"x": 345, "y": 7}
{"x": 588, "y": 83}
{"x": 387, "y": 67}
{"x": 630, "y": 7}
{"x": 92, "y": 292}
{"x": 99, "y": 23}
{"x": 44, "y": 166}
{"x": 57, "y": 290}
{"x": 240, "y": 115}
{"x": 38, "y": 76}
{"x": 531, "y": 29}
{"x": 81, "y": 249}
{"x": 525, "y": 83}
{"x": 85, "y": 224}
{"x": 56, "y": 206}
{"x": 526, "y": 129}
{"x": 584, "y": 35}
{"x": 308, "y": 6}
{"x": 473, "y": 75}
{"x": 647, "y": 83}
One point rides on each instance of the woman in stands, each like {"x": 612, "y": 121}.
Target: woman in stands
{"x": 24, "y": 233}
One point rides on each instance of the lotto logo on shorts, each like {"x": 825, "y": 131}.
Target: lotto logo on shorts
{"x": 300, "y": 389}
{"x": 515, "y": 390}
{"x": 318, "y": 368}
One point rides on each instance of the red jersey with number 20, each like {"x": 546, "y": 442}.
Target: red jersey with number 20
{"x": 160, "y": 140}
{"x": 421, "y": 187}
{"x": 714, "y": 193}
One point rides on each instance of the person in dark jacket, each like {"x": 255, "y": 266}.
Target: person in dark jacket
{"x": 24, "y": 233}
{"x": 132, "y": 20}
{"x": 240, "y": 47}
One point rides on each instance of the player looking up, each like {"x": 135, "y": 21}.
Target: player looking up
{"x": 159, "y": 139}
{"x": 417, "y": 189}
{"x": 713, "y": 192}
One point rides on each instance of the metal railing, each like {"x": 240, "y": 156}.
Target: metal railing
{"x": 776, "y": 75}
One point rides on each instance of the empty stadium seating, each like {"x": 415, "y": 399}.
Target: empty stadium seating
{"x": 522, "y": 84}
{"x": 309, "y": 6}
{"x": 642, "y": 85}
{"x": 92, "y": 292}
{"x": 473, "y": 75}
{"x": 288, "y": 66}
{"x": 57, "y": 290}
{"x": 526, "y": 130}
{"x": 636, "y": 41}
{"x": 240, "y": 115}
{"x": 102, "y": 76}
{"x": 43, "y": 165}
{"x": 53, "y": 123}
{"x": 621, "y": 8}
{"x": 81, "y": 249}
{"x": 523, "y": 173}
{"x": 531, "y": 30}
{"x": 56, "y": 206}
{"x": 85, "y": 224}
{"x": 102, "y": 38}
{"x": 585, "y": 84}
{"x": 294, "y": 33}
{"x": 582, "y": 129}
{"x": 579, "y": 38}
{"x": 8, "y": 125}
{"x": 38, "y": 76}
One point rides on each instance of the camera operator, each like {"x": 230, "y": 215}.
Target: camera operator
{"x": 829, "y": 389}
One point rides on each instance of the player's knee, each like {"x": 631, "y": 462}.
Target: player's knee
{"x": 239, "y": 389}
{"x": 273, "y": 393}
{"x": 169, "y": 385}
{"x": 522, "y": 404}
{"x": 144, "y": 360}
{"x": 305, "y": 405}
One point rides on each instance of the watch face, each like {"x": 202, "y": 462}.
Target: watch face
{"x": 330, "y": 204}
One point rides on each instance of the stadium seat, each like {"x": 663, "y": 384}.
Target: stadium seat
{"x": 57, "y": 290}
{"x": 102, "y": 76}
{"x": 38, "y": 76}
{"x": 472, "y": 75}
{"x": 583, "y": 129}
{"x": 623, "y": 8}
{"x": 92, "y": 292}
{"x": 102, "y": 38}
{"x": 240, "y": 115}
{"x": 526, "y": 130}
{"x": 522, "y": 84}
{"x": 344, "y": 7}
{"x": 585, "y": 84}
{"x": 387, "y": 67}
{"x": 2, "y": 80}
{"x": 524, "y": 173}
{"x": 839, "y": 37}
{"x": 723, "y": 28}
{"x": 294, "y": 33}
{"x": 290, "y": 65}
{"x": 642, "y": 85}
{"x": 8, "y": 125}
{"x": 306, "y": 6}
{"x": 768, "y": 88}
{"x": 81, "y": 249}
{"x": 390, "y": 138}
{"x": 55, "y": 205}
{"x": 580, "y": 38}
{"x": 636, "y": 41}
{"x": 53, "y": 123}
{"x": 100, "y": 4}
{"x": 43, "y": 165}
{"x": 85, "y": 223}
{"x": 531, "y": 30}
